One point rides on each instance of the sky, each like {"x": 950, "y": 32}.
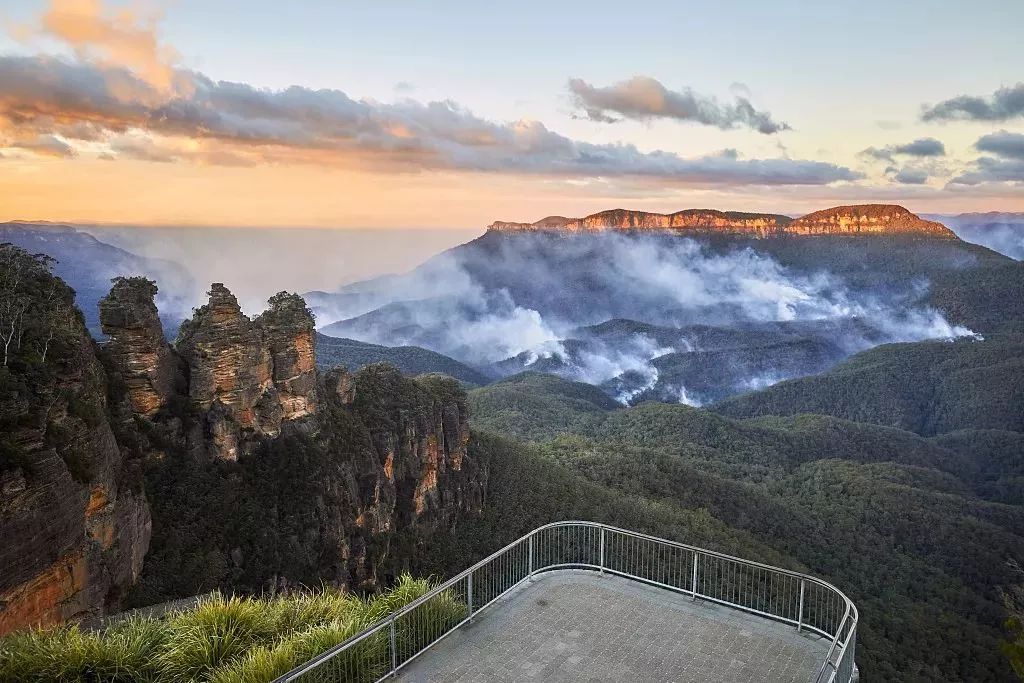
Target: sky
{"x": 455, "y": 114}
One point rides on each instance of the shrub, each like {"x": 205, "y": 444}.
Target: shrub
{"x": 231, "y": 640}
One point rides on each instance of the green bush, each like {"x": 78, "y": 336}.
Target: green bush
{"x": 229, "y": 639}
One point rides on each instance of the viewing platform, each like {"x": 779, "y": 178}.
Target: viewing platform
{"x": 579, "y": 601}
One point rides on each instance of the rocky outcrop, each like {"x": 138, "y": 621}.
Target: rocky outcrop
{"x": 261, "y": 453}
{"x": 421, "y": 451}
{"x": 230, "y": 373}
{"x": 867, "y": 219}
{"x": 863, "y": 219}
{"x": 290, "y": 336}
{"x": 142, "y": 356}
{"x": 246, "y": 376}
{"x": 74, "y": 522}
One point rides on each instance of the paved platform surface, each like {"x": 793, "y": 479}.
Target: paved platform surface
{"x": 579, "y": 626}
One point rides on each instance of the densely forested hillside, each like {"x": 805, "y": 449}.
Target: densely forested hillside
{"x": 536, "y": 406}
{"x": 411, "y": 360}
{"x": 926, "y": 387}
{"x": 921, "y": 532}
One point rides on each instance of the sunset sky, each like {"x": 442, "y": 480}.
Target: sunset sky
{"x": 453, "y": 114}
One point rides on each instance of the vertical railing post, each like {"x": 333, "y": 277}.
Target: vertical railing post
{"x": 693, "y": 585}
{"x": 469, "y": 595}
{"x": 394, "y": 650}
{"x": 800, "y": 615}
{"x": 529, "y": 566}
{"x": 602, "y": 551}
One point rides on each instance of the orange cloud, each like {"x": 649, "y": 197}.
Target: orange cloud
{"x": 124, "y": 38}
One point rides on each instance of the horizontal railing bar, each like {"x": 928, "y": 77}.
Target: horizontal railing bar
{"x": 702, "y": 551}
{"x": 839, "y": 645}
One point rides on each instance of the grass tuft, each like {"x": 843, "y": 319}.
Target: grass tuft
{"x": 233, "y": 640}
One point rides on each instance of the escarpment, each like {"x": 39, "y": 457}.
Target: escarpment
{"x": 867, "y": 219}
{"x": 692, "y": 220}
{"x": 864, "y": 219}
{"x": 74, "y": 523}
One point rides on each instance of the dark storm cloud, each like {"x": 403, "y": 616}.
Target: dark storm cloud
{"x": 1004, "y": 104}
{"x": 642, "y": 97}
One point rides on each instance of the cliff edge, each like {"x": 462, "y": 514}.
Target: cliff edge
{"x": 862, "y": 219}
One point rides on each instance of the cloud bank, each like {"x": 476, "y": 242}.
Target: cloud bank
{"x": 124, "y": 96}
{"x": 236, "y": 123}
{"x": 644, "y": 98}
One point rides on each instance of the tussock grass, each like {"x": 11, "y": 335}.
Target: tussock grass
{"x": 229, "y": 639}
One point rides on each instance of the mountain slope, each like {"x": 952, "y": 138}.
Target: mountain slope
{"x": 536, "y": 406}
{"x": 925, "y": 387}
{"x": 915, "y": 530}
{"x": 1003, "y": 232}
{"x": 411, "y": 360}
{"x": 88, "y": 265}
{"x": 518, "y": 292}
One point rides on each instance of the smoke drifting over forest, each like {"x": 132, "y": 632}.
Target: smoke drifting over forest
{"x": 529, "y": 303}
{"x": 644, "y": 316}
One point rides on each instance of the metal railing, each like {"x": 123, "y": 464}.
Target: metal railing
{"x": 803, "y": 601}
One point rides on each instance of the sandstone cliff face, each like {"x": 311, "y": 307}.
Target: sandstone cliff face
{"x": 690, "y": 220}
{"x": 146, "y": 363}
{"x": 843, "y": 220}
{"x": 867, "y": 219}
{"x": 290, "y": 336}
{"x": 74, "y": 522}
{"x": 248, "y": 376}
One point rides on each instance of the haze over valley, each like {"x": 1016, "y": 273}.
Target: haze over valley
{"x": 690, "y": 314}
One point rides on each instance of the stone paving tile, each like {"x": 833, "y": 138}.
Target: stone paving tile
{"x": 585, "y": 628}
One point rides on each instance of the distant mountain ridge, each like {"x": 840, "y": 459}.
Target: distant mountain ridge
{"x": 88, "y": 264}
{"x": 860, "y": 219}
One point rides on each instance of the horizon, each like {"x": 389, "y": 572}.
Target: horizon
{"x": 151, "y": 114}
{"x": 82, "y": 223}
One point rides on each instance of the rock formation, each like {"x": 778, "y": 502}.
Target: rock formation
{"x": 145, "y": 361}
{"x": 74, "y": 523}
{"x": 376, "y": 454}
{"x": 244, "y": 377}
{"x": 867, "y": 219}
{"x": 690, "y": 220}
{"x": 261, "y": 473}
{"x": 290, "y": 336}
{"x": 842, "y": 220}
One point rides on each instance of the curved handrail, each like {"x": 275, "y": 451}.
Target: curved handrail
{"x": 838, "y": 664}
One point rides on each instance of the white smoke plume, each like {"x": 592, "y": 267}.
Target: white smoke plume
{"x": 526, "y": 297}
